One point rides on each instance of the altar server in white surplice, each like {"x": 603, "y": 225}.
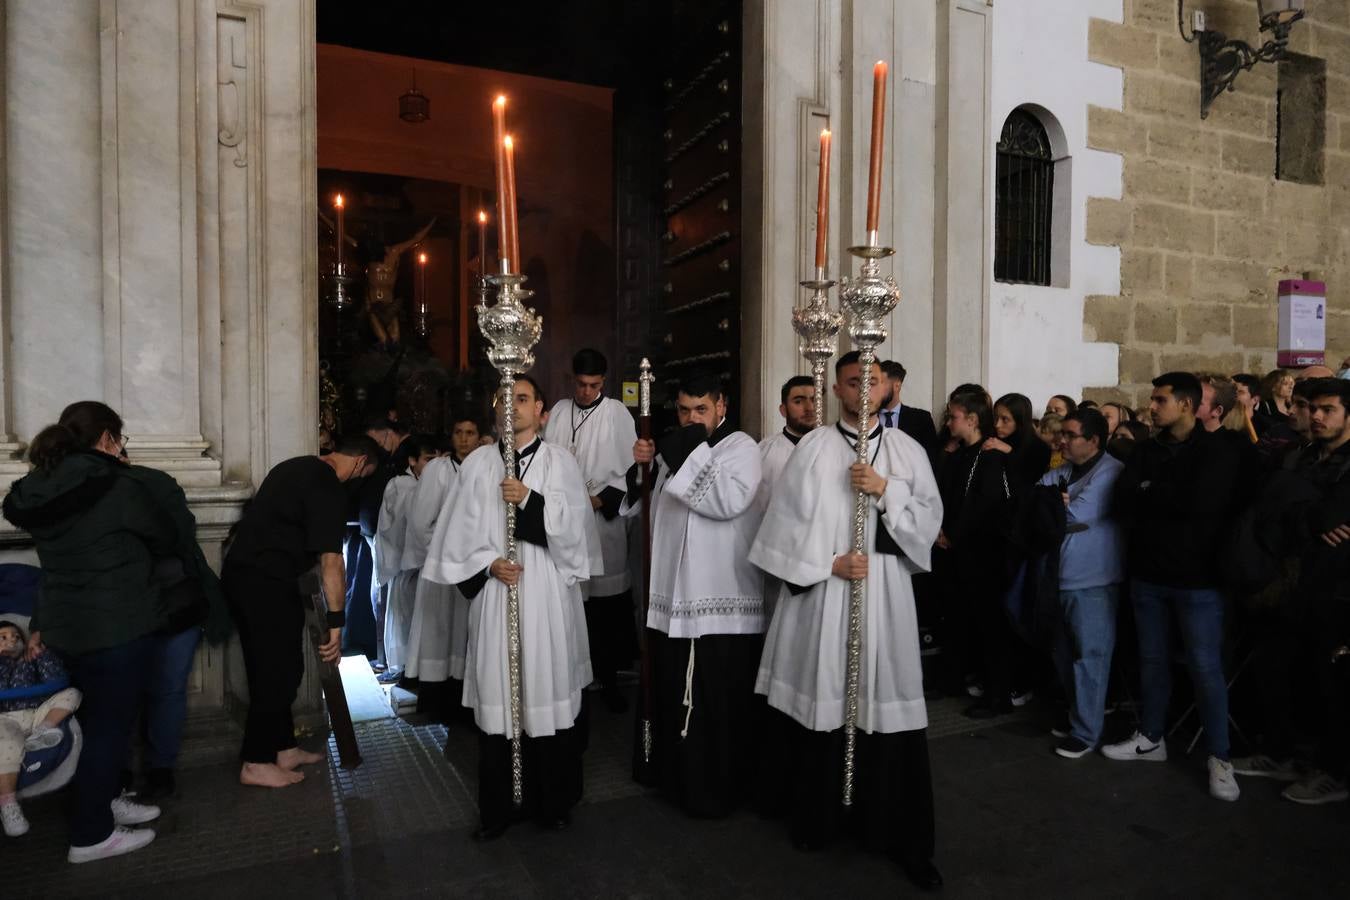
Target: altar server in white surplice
{"x": 798, "y": 409}
{"x": 558, "y": 550}
{"x": 805, "y": 541}
{"x": 599, "y": 432}
{"x": 399, "y": 584}
{"x": 706, "y": 613}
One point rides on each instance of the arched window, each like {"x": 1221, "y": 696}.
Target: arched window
{"x": 1024, "y": 185}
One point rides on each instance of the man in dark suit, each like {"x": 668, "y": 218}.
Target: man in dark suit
{"x": 915, "y": 422}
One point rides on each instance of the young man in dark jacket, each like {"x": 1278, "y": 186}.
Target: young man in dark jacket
{"x": 1174, "y": 499}
{"x": 1321, "y": 530}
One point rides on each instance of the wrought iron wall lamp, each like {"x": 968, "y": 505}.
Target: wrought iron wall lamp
{"x": 1221, "y": 59}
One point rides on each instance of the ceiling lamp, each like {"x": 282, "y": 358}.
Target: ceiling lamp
{"x": 414, "y": 106}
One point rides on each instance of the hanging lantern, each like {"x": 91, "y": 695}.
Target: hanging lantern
{"x": 414, "y": 106}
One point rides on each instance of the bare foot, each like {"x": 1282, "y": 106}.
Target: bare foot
{"x": 295, "y": 757}
{"x": 268, "y": 775}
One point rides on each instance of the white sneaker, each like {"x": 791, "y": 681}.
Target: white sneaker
{"x": 122, "y": 840}
{"x": 1316, "y": 789}
{"x": 1262, "y": 766}
{"x": 11, "y": 816}
{"x": 128, "y": 812}
{"x": 1222, "y": 782}
{"x": 1137, "y": 747}
{"x": 43, "y": 740}
{"x": 1021, "y": 698}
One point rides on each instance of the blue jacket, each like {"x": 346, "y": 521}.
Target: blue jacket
{"x": 1094, "y": 557}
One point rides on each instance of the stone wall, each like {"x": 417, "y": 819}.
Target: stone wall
{"x": 1206, "y": 231}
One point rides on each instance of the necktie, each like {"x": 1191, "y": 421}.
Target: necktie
{"x": 890, "y": 418}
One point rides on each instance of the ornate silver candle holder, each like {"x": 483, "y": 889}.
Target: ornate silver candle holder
{"x": 339, "y": 288}
{"x": 511, "y": 331}
{"x": 817, "y": 328}
{"x": 866, "y": 301}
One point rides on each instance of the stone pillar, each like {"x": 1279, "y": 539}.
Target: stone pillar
{"x": 808, "y": 64}
{"x": 963, "y": 237}
{"x": 10, "y": 466}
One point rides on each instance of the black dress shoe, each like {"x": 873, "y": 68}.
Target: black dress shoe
{"x": 614, "y": 699}
{"x": 923, "y": 874}
{"x": 159, "y": 785}
{"x": 984, "y": 710}
{"x": 484, "y": 833}
{"x": 559, "y": 823}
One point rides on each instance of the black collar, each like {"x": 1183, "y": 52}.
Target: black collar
{"x": 527, "y": 450}
{"x": 874, "y": 439}
{"x": 719, "y": 433}
{"x": 793, "y": 438}
{"x": 598, "y": 400}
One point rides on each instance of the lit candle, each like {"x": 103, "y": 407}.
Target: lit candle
{"x": 512, "y": 228}
{"x": 482, "y": 243}
{"x": 823, "y": 200}
{"x": 421, "y": 286}
{"x": 499, "y": 160}
{"x": 878, "y": 138}
{"x": 341, "y": 229}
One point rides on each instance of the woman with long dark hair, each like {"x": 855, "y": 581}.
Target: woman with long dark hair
{"x": 98, "y": 531}
{"x": 1025, "y": 456}
{"x": 975, "y": 496}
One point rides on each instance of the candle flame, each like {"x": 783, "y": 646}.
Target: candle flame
{"x": 422, "y": 258}
{"x": 825, "y": 132}
{"x": 508, "y": 143}
{"x": 482, "y": 217}
{"x": 500, "y": 101}
{"x": 338, "y": 201}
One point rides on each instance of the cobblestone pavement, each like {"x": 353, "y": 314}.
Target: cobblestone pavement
{"x": 1014, "y": 821}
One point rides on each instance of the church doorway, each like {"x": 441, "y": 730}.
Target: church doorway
{"x": 627, "y": 120}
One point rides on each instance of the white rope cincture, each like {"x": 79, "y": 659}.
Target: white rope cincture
{"x": 688, "y": 691}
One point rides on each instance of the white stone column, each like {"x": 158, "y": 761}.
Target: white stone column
{"x": 963, "y": 238}
{"x": 10, "y": 466}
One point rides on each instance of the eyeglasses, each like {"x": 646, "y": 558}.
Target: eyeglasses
{"x": 1067, "y": 436}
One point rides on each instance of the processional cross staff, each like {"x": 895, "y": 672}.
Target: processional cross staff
{"x": 645, "y": 380}
{"x": 511, "y": 331}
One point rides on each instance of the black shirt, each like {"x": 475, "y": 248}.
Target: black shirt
{"x": 299, "y": 512}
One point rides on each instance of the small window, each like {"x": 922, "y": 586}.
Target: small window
{"x": 1023, "y": 201}
{"x": 1301, "y": 119}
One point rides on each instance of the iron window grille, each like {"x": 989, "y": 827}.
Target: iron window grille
{"x": 1024, "y": 185}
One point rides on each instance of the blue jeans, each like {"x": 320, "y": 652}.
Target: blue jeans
{"x": 1085, "y": 638}
{"x": 166, "y": 696}
{"x": 112, "y": 682}
{"x": 1199, "y": 613}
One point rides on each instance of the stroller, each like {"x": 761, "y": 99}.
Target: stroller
{"x": 41, "y": 771}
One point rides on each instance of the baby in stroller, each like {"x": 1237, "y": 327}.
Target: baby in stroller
{"x": 35, "y": 698}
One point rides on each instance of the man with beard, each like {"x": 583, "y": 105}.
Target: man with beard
{"x": 706, "y": 612}
{"x": 806, "y": 541}
{"x": 798, "y": 409}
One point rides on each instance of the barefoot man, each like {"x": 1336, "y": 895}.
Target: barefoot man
{"x": 298, "y": 518}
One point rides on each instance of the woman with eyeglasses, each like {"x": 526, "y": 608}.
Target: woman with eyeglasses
{"x": 97, "y": 530}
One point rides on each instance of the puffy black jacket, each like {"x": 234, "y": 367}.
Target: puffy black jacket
{"x": 98, "y": 531}
{"x": 1176, "y": 500}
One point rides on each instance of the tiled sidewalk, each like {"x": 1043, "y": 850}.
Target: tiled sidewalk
{"x": 1013, "y": 819}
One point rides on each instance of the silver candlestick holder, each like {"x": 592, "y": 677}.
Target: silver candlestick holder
{"x": 817, "y": 328}
{"x": 339, "y": 287}
{"x": 511, "y": 331}
{"x": 866, "y": 302}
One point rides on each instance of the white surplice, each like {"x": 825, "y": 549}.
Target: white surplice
{"x": 773, "y": 456}
{"x": 438, "y": 631}
{"x": 389, "y": 575}
{"x": 555, "y": 656}
{"x": 809, "y": 522}
{"x": 601, "y": 438}
{"x": 704, "y": 520}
